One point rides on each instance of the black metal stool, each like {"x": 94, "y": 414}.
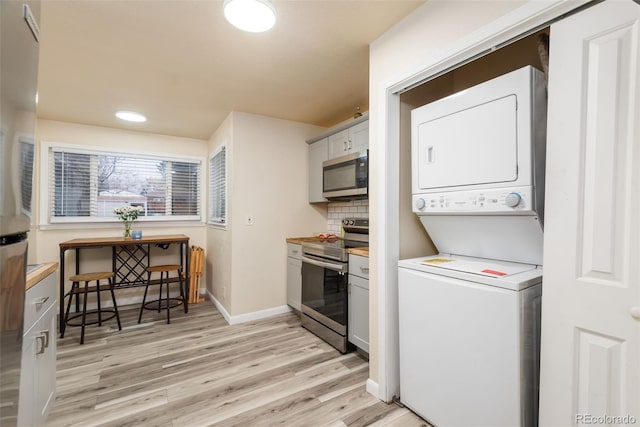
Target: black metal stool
{"x": 84, "y": 291}
{"x": 168, "y": 303}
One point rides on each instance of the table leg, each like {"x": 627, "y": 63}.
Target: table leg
{"x": 61, "y": 298}
{"x": 185, "y": 248}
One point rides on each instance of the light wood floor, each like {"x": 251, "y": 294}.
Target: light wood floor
{"x": 199, "y": 371}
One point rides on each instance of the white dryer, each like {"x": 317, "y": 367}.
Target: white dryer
{"x": 477, "y": 164}
{"x": 469, "y": 340}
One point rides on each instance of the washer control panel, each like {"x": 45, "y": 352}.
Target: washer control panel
{"x": 502, "y": 200}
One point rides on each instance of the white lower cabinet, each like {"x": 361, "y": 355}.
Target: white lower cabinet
{"x": 294, "y": 275}
{"x": 38, "y": 373}
{"x": 358, "y": 322}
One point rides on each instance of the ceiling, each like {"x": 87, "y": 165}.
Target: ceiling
{"x": 182, "y": 65}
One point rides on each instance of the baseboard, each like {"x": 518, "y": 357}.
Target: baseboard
{"x": 372, "y": 388}
{"x": 247, "y": 317}
{"x": 219, "y": 306}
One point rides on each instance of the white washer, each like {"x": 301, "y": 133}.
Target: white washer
{"x": 469, "y": 340}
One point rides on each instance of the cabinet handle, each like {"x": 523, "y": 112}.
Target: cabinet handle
{"x": 364, "y": 269}
{"x": 350, "y": 145}
{"x": 46, "y": 338}
{"x": 41, "y": 339}
{"x": 294, "y": 252}
{"x": 344, "y": 143}
{"x": 40, "y": 302}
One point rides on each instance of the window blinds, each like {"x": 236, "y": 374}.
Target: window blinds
{"x": 218, "y": 187}
{"x": 85, "y": 184}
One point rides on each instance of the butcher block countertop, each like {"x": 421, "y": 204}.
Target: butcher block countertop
{"x": 39, "y": 273}
{"x": 359, "y": 251}
{"x": 301, "y": 240}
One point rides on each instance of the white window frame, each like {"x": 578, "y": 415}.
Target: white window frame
{"x": 218, "y": 221}
{"x": 46, "y": 221}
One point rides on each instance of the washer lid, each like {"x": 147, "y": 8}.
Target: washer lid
{"x": 489, "y": 268}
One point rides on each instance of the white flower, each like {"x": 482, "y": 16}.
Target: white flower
{"x": 128, "y": 213}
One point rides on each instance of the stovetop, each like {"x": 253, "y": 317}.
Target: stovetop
{"x": 356, "y": 234}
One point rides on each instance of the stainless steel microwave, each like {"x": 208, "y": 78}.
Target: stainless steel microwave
{"x": 346, "y": 177}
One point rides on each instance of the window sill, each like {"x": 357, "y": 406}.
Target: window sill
{"x": 118, "y": 226}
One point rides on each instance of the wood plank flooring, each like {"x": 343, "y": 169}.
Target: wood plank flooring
{"x": 199, "y": 371}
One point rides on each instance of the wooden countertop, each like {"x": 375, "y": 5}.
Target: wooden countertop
{"x": 301, "y": 240}
{"x": 359, "y": 251}
{"x": 40, "y": 273}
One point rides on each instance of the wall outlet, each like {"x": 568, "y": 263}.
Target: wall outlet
{"x": 249, "y": 220}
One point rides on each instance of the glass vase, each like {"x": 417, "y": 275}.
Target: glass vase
{"x": 127, "y": 229}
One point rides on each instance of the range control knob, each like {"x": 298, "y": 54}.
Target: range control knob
{"x": 512, "y": 200}
{"x": 420, "y": 204}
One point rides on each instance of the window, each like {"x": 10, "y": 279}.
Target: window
{"x": 218, "y": 187}
{"x": 86, "y": 185}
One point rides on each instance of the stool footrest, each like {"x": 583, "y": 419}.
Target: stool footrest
{"x": 110, "y": 314}
{"x": 153, "y": 305}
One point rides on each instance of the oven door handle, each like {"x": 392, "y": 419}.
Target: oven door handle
{"x": 339, "y": 267}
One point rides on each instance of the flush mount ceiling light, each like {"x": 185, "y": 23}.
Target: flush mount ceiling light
{"x": 131, "y": 116}
{"x": 254, "y": 16}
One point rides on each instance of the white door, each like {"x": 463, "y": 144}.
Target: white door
{"x": 590, "y": 361}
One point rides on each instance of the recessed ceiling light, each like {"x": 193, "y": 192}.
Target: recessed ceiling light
{"x": 131, "y": 116}
{"x": 254, "y": 16}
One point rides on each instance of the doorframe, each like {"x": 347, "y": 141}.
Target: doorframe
{"x": 524, "y": 20}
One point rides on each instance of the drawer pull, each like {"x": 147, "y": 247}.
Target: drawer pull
{"x": 46, "y": 338}
{"x": 40, "y": 339}
{"x": 364, "y": 269}
{"x": 40, "y": 302}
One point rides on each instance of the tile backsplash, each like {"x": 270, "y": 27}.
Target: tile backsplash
{"x": 351, "y": 209}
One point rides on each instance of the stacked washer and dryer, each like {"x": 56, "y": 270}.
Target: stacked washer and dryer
{"x": 469, "y": 317}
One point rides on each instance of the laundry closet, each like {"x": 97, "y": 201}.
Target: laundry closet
{"x": 469, "y": 317}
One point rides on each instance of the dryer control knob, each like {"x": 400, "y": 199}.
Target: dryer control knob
{"x": 420, "y": 204}
{"x": 512, "y": 200}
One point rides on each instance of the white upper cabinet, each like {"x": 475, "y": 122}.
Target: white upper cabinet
{"x": 318, "y": 153}
{"x": 350, "y": 140}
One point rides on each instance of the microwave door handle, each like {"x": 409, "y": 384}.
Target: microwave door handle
{"x": 328, "y": 265}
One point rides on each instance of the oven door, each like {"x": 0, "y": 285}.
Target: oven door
{"x": 324, "y": 292}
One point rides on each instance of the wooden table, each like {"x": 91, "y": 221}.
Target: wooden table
{"x": 130, "y": 258}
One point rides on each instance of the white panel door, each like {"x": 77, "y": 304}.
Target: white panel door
{"x": 590, "y": 362}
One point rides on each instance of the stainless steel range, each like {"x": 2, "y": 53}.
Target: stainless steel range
{"x": 325, "y": 270}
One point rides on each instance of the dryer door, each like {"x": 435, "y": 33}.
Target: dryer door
{"x": 474, "y": 146}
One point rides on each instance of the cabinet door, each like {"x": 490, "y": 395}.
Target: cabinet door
{"x": 45, "y": 388}
{"x": 294, "y": 282}
{"x": 318, "y": 153}
{"x": 339, "y": 144}
{"x": 27, "y": 407}
{"x": 359, "y": 137}
{"x": 358, "y": 325}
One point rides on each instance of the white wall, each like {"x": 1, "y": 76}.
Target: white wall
{"x": 400, "y": 53}
{"x": 44, "y": 241}
{"x": 218, "y": 251}
{"x": 267, "y": 172}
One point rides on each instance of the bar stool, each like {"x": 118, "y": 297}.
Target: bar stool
{"x": 168, "y": 303}
{"x": 84, "y": 291}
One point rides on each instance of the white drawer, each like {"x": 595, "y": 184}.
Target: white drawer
{"x": 359, "y": 282}
{"x": 294, "y": 250}
{"x": 38, "y": 299}
{"x": 359, "y": 266}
